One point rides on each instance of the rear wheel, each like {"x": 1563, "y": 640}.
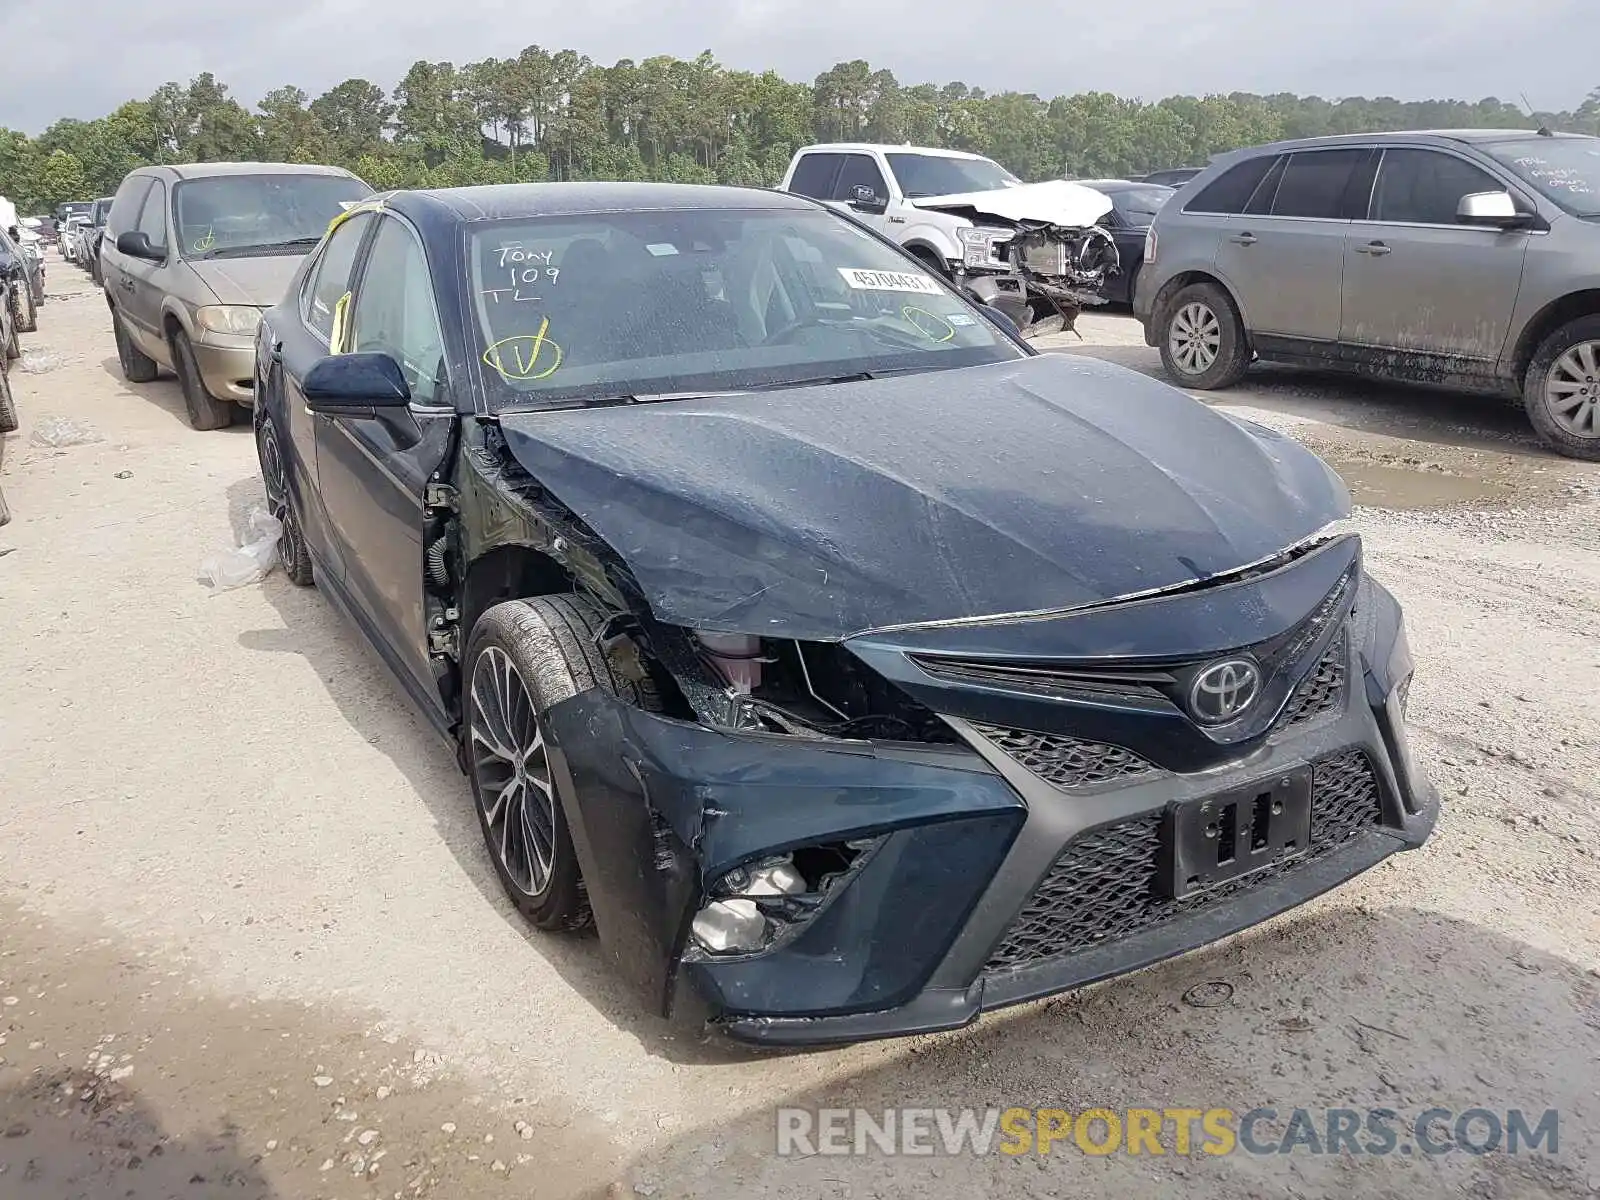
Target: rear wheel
{"x": 137, "y": 366}
{"x": 25, "y": 311}
{"x": 205, "y": 410}
{"x": 524, "y": 657}
{"x": 8, "y": 405}
{"x": 1561, "y": 392}
{"x": 1203, "y": 342}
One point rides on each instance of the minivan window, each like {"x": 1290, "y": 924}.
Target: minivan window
{"x": 1566, "y": 170}
{"x": 124, "y": 214}
{"x": 813, "y": 175}
{"x": 1314, "y": 183}
{"x": 232, "y": 215}
{"x": 1424, "y": 187}
{"x": 153, "y": 217}
{"x": 1229, "y": 192}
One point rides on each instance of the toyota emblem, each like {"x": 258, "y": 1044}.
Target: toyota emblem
{"x": 1223, "y": 691}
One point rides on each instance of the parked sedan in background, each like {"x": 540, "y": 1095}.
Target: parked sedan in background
{"x": 856, "y": 668}
{"x": 1176, "y": 177}
{"x": 194, "y": 253}
{"x": 1133, "y": 206}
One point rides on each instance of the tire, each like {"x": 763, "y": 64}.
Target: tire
{"x": 8, "y": 405}
{"x": 137, "y": 366}
{"x": 205, "y": 410}
{"x": 930, "y": 260}
{"x": 1561, "y": 391}
{"x": 293, "y": 555}
{"x": 26, "y": 311}
{"x": 1203, "y": 341}
{"x": 547, "y": 647}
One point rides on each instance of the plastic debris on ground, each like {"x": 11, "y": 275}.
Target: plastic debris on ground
{"x": 37, "y": 362}
{"x": 250, "y": 561}
{"x": 64, "y": 431}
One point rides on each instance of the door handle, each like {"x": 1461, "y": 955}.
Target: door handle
{"x": 1376, "y": 249}
{"x": 1244, "y": 239}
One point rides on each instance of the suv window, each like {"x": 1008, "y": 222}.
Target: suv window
{"x": 124, "y": 215}
{"x": 153, "y": 217}
{"x": 330, "y": 277}
{"x": 394, "y": 312}
{"x": 1314, "y": 183}
{"x": 813, "y": 175}
{"x": 859, "y": 171}
{"x": 1229, "y": 192}
{"x": 1425, "y": 187}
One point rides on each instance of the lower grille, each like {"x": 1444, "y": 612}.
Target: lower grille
{"x": 1105, "y": 885}
{"x": 1064, "y": 761}
{"x": 1322, "y": 690}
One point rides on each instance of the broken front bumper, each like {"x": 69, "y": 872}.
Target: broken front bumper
{"x": 991, "y": 884}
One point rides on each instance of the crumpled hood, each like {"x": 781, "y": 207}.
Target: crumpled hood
{"x": 1044, "y": 484}
{"x": 260, "y": 282}
{"x": 1057, "y": 201}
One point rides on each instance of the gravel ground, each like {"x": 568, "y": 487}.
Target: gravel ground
{"x": 250, "y": 945}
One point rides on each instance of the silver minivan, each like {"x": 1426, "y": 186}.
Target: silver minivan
{"x": 1469, "y": 258}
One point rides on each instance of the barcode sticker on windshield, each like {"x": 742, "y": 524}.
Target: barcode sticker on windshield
{"x": 889, "y": 281}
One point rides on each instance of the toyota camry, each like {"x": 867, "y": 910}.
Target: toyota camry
{"x": 850, "y": 666}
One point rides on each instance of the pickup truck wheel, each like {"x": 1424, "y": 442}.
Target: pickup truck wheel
{"x": 523, "y": 657}
{"x": 137, "y": 366}
{"x": 205, "y": 410}
{"x": 1203, "y": 342}
{"x": 930, "y": 260}
{"x": 1561, "y": 391}
{"x": 8, "y": 405}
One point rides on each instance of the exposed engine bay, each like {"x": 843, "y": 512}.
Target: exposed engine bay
{"x": 1056, "y": 273}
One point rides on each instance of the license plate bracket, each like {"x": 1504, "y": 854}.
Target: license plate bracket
{"x": 1218, "y": 838}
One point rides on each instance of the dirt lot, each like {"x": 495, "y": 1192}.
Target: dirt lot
{"x": 250, "y": 946}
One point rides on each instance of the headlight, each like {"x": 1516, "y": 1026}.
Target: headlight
{"x": 980, "y": 246}
{"x": 237, "y": 319}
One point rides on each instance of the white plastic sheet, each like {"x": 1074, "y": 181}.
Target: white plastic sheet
{"x": 64, "y": 431}
{"x": 250, "y": 561}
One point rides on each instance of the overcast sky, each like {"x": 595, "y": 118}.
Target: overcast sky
{"x": 82, "y": 59}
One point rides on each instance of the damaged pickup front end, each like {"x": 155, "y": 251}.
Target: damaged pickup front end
{"x": 973, "y": 748}
{"x": 1035, "y": 251}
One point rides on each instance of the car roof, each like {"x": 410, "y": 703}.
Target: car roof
{"x": 884, "y": 148}
{"x": 1436, "y": 136}
{"x": 210, "y": 170}
{"x": 499, "y": 201}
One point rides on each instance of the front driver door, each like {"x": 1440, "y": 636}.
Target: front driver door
{"x": 373, "y": 471}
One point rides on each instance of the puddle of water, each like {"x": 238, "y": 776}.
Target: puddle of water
{"x": 1378, "y": 485}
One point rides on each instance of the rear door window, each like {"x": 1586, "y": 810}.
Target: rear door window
{"x": 1229, "y": 192}
{"x": 814, "y": 175}
{"x": 1314, "y": 183}
{"x": 1424, "y": 187}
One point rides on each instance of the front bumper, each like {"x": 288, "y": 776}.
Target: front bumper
{"x": 227, "y": 369}
{"x": 992, "y": 885}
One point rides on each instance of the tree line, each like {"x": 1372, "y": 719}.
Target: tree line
{"x": 544, "y": 115}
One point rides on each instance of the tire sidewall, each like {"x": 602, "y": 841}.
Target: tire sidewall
{"x": 1228, "y": 366}
{"x": 505, "y": 627}
{"x": 1584, "y": 329}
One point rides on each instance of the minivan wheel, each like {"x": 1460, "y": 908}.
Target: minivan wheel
{"x": 137, "y": 366}
{"x": 524, "y": 657}
{"x": 1561, "y": 392}
{"x": 205, "y": 410}
{"x": 1203, "y": 342}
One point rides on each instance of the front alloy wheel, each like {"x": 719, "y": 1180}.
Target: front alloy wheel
{"x": 515, "y": 795}
{"x": 292, "y": 552}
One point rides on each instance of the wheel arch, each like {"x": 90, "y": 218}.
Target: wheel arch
{"x": 1585, "y": 303}
{"x": 510, "y": 571}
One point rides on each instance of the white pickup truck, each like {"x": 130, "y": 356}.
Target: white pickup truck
{"x": 1033, "y": 250}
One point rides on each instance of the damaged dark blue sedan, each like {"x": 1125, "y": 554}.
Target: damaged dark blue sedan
{"x": 854, "y": 668}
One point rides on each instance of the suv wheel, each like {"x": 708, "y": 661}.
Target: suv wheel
{"x": 1203, "y": 343}
{"x": 1561, "y": 392}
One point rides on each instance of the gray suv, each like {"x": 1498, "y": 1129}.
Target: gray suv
{"x": 1469, "y": 258}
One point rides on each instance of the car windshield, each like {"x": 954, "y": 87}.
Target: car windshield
{"x": 647, "y": 305}
{"x": 242, "y": 215}
{"x": 937, "y": 175}
{"x": 1138, "y": 206}
{"x": 1567, "y": 170}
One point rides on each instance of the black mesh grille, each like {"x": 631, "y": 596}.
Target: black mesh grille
{"x": 1105, "y": 884}
{"x": 1322, "y": 690}
{"x": 1064, "y": 761}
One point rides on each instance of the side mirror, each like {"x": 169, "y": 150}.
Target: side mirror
{"x": 1496, "y": 210}
{"x": 865, "y": 200}
{"x": 355, "y": 385}
{"x": 137, "y": 245}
